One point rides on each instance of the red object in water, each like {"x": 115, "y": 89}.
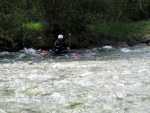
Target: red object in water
{"x": 75, "y": 54}
{"x": 44, "y": 52}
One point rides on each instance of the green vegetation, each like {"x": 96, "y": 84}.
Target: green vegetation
{"x": 40, "y": 21}
{"x": 119, "y": 29}
{"x": 33, "y": 26}
{"x": 120, "y": 32}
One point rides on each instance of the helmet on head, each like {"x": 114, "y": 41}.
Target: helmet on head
{"x": 60, "y": 36}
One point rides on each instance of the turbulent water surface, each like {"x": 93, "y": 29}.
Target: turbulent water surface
{"x": 102, "y": 80}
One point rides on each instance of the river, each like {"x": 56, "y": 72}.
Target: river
{"x": 101, "y": 80}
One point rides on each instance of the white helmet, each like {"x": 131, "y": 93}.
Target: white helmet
{"x": 60, "y": 36}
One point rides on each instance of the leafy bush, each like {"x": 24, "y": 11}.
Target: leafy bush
{"x": 118, "y": 29}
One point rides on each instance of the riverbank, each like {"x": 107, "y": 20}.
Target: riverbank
{"x": 118, "y": 33}
{"x": 98, "y": 34}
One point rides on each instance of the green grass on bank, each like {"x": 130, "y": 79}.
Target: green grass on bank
{"x": 119, "y": 29}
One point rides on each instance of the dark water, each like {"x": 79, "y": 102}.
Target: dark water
{"x": 101, "y": 80}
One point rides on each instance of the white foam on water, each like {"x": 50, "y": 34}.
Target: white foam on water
{"x": 58, "y": 98}
{"x": 30, "y": 51}
{"x": 115, "y": 77}
{"x": 142, "y": 70}
{"x": 107, "y": 107}
{"x": 108, "y": 47}
{"x": 6, "y": 60}
{"x": 4, "y": 53}
{"x": 120, "y": 95}
{"x": 136, "y": 50}
{"x": 86, "y": 73}
{"x": 127, "y": 72}
{"x": 121, "y": 85}
{"x": 90, "y": 54}
{"x": 57, "y": 65}
{"x": 56, "y": 95}
{"x": 21, "y": 56}
{"x": 71, "y": 65}
{"x": 2, "y": 111}
{"x": 100, "y": 85}
{"x": 126, "y": 50}
{"x": 95, "y": 49}
{"x": 84, "y": 82}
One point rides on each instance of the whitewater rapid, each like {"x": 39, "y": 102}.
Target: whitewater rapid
{"x": 101, "y": 80}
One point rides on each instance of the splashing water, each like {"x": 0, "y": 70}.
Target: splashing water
{"x": 107, "y": 47}
{"x": 126, "y": 50}
{"x": 99, "y": 81}
{"x": 4, "y": 53}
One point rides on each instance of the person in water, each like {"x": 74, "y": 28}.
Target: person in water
{"x": 60, "y": 47}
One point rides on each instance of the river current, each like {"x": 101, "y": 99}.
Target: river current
{"x": 101, "y": 80}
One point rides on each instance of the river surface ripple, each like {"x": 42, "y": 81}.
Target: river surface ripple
{"x": 102, "y": 80}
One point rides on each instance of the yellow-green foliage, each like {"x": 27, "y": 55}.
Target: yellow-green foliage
{"x": 33, "y": 26}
